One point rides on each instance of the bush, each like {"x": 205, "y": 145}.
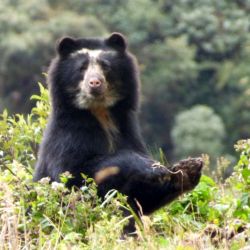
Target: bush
{"x": 198, "y": 131}
{"x": 47, "y": 216}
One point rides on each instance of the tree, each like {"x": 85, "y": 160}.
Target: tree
{"x": 169, "y": 70}
{"x": 28, "y": 45}
{"x": 198, "y": 131}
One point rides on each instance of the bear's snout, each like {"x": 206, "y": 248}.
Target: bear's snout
{"x": 96, "y": 86}
{"x": 95, "y": 82}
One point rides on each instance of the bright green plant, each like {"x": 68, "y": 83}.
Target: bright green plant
{"x": 241, "y": 181}
{"x": 47, "y": 215}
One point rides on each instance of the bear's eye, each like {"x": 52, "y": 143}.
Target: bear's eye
{"x": 83, "y": 66}
{"x": 106, "y": 66}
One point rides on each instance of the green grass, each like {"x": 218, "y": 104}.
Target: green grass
{"x": 216, "y": 215}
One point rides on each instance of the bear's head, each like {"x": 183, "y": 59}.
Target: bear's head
{"x": 91, "y": 72}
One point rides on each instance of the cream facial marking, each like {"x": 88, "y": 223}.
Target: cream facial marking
{"x": 94, "y": 53}
{"x": 91, "y": 53}
{"x": 93, "y": 69}
{"x": 83, "y": 98}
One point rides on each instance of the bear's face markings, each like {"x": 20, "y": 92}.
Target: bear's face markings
{"x": 95, "y": 72}
{"x": 96, "y": 85}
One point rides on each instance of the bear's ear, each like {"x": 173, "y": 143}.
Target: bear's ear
{"x": 66, "y": 45}
{"x": 117, "y": 41}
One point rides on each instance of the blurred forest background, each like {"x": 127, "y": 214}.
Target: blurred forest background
{"x": 194, "y": 57}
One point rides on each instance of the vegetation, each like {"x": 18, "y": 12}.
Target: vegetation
{"x": 196, "y": 131}
{"x": 48, "y": 216}
{"x": 194, "y": 58}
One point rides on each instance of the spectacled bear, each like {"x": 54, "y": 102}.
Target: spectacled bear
{"x": 93, "y": 126}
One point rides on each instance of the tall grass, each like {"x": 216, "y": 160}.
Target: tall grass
{"x": 216, "y": 215}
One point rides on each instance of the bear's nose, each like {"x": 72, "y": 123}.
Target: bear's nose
{"x": 95, "y": 82}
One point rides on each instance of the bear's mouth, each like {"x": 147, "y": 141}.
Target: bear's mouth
{"x": 97, "y": 93}
{"x": 92, "y": 100}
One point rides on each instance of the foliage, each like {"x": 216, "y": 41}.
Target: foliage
{"x": 190, "y": 52}
{"x": 241, "y": 180}
{"x": 49, "y": 216}
{"x": 30, "y": 31}
{"x": 219, "y": 31}
{"x": 197, "y": 131}
{"x": 171, "y": 70}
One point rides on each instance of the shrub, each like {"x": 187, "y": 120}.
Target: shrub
{"x": 47, "y": 216}
{"x": 198, "y": 131}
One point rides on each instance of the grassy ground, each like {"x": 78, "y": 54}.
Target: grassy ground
{"x": 44, "y": 216}
{"x": 216, "y": 215}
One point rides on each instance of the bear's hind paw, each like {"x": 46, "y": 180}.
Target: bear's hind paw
{"x": 186, "y": 174}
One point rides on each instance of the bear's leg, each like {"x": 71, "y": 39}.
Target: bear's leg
{"x": 165, "y": 185}
{"x": 147, "y": 185}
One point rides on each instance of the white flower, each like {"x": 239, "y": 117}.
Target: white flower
{"x": 45, "y": 180}
{"x": 57, "y": 186}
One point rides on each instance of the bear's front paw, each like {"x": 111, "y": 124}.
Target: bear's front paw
{"x": 186, "y": 174}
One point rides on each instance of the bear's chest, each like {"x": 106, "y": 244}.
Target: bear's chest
{"x": 107, "y": 123}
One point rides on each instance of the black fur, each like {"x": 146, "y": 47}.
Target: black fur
{"x": 75, "y": 141}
